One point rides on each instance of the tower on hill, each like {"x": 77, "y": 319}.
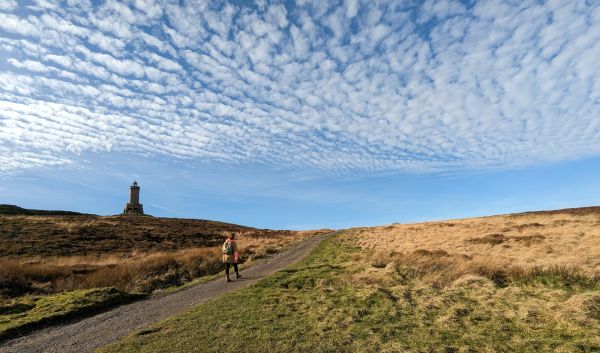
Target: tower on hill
{"x": 134, "y": 206}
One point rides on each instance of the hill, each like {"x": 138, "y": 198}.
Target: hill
{"x": 58, "y": 264}
{"x": 60, "y": 233}
{"x": 562, "y": 238}
{"x": 16, "y": 210}
{"x": 512, "y": 283}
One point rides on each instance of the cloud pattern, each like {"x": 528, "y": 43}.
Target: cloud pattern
{"x": 346, "y": 86}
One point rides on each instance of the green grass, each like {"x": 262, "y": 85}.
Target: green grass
{"x": 560, "y": 278}
{"x": 333, "y": 301}
{"x": 27, "y": 313}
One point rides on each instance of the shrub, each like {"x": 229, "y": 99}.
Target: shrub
{"x": 492, "y": 239}
{"x": 13, "y": 279}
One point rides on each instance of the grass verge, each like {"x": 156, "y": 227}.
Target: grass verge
{"x": 27, "y": 313}
{"x": 338, "y": 300}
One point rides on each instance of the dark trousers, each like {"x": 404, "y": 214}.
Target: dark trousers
{"x": 227, "y": 265}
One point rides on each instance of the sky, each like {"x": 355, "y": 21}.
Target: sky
{"x": 305, "y": 114}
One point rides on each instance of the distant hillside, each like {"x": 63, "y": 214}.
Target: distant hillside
{"x": 16, "y": 210}
{"x": 564, "y": 237}
{"x": 48, "y": 233}
{"x": 582, "y": 211}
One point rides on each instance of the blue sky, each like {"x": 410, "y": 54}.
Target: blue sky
{"x": 300, "y": 114}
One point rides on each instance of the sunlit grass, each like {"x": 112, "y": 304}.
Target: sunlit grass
{"x": 342, "y": 299}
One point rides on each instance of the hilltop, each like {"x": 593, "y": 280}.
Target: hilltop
{"x": 26, "y": 232}
{"x": 16, "y": 210}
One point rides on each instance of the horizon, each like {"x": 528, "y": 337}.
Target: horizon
{"x": 334, "y": 229}
{"x": 457, "y": 198}
{"x": 300, "y": 115}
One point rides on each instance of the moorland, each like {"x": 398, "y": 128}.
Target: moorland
{"x": 525, "y": 282}
{"x": 56, "y": 265}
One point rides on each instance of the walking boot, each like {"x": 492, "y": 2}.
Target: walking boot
{"x": 227, "y": 278}
{"x": 237, "y": 276}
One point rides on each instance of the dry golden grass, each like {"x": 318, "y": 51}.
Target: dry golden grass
{"x": 38, "y": 289}
{"x": 558, "y": 239}
{"x": 247, "y": 243}
{"x": 137, "y": 271}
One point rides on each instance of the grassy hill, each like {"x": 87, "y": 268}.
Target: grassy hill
{"x": 16, "y": 210}
{"x": 56, "y": 264}
{"x": 513, "y": 283}
{"x": 44, "y": 233}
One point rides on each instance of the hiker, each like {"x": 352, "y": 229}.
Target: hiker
{"x": 230, "y": 256}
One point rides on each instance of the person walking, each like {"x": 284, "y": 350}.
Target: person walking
{"x": 230, "y": 256}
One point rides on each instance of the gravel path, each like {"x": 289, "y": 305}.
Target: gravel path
{"x": 91, "y": 333}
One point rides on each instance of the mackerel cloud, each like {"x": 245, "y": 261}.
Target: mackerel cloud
{"x": 352, "y": 86}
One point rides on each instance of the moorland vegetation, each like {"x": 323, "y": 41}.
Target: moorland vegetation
{"x": 513, "y": 283}
{"x": 58, "y": 265}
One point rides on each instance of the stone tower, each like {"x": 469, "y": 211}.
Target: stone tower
{"x": 134, "y": 206}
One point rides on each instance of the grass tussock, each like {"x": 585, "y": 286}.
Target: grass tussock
{"x": 440, "y": 269}
{"x": 499, "y": 238}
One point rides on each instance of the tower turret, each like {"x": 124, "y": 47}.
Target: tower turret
{"x": 134, "y": 206}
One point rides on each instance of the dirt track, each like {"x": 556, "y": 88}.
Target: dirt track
{"x": 91, "y": 333}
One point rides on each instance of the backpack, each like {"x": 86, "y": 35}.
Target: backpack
{"x": 228, "y": 248}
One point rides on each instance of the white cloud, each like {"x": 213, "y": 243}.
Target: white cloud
{"x": 165, "y": 63}
{"x": 362, "y": 88}
{"x": 16, "y": 25}
{"x": 8, "y": 5}
{"x": 351, "y": 8}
